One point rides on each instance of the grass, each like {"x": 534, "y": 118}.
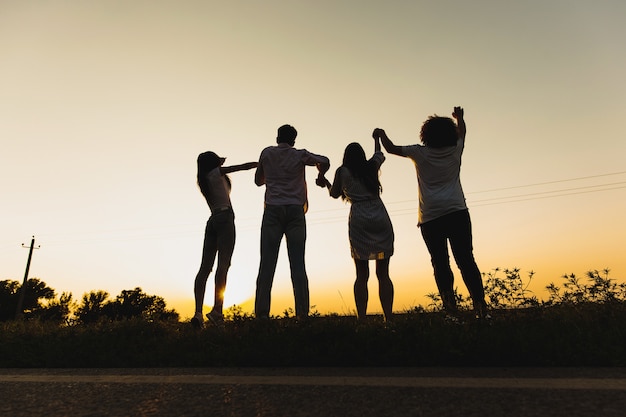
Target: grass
{"x": 581, "y": 324}
{"x": 584, "y": 334}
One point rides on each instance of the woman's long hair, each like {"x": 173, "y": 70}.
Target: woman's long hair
{"x": 361, "y": 169}
{"x": 207, "y": 161}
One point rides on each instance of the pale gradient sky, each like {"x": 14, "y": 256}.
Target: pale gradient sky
{"x": 105, "y": 105}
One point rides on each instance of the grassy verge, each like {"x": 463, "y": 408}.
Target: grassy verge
{"x": 584, "y": 334}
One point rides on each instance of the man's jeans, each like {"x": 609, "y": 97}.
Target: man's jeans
{"x": 278, "y": 221}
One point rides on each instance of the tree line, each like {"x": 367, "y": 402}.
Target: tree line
{"x": 41, "y": 302}
{"x": 504, "y": 289}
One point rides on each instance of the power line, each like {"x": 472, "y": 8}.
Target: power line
{"x": 528, "y": 186}
{"x": 336, "y": 215}
{"x": 559, "y": 191}
{"x": 516, "y": 198}
{"x": 547, "y": 182}
{"x": 549, "y": 196}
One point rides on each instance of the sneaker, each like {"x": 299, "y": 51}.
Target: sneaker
{"x": 215, "y": 318}
{"x": 197, "y": 321}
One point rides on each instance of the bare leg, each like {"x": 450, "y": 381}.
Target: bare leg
{"x": 199, "y": 288}
{"x": 220, "y": 285}
{"x": 385, "y": 287}
{"x": 360, "y": 287}
{"x": 225, "y": 243}
{"x": 225, "y": 246}
{"x": 209, "y": 251}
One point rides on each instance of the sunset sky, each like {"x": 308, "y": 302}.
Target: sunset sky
{"x": 105, "y": 105}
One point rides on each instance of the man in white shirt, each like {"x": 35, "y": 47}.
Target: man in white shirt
{"x": 443, "y": 215}
{"x": 282, "y": 170}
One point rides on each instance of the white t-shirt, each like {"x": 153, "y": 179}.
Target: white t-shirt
{"x": 219, "y": 191}
{"x": 438, "y": 178}
{"x": 281, "y": 169}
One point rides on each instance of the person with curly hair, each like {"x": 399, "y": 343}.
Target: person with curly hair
{"x": 443, "y": 216}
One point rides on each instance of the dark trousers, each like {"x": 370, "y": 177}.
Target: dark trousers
{"x": 455, "y": 228}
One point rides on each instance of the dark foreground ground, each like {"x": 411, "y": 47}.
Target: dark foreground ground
{"x": 320, "y": 392}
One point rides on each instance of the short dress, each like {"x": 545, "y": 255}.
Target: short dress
{"x": 369, "y": 227}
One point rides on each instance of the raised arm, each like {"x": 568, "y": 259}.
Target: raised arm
{"x": 387, "y": 143}
{"x": 458, "y": 114}
{"x": 376, "y": 143}
{"x": 241, "y": 167}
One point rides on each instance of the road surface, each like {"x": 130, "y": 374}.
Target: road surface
{"x": 293, "y": 392}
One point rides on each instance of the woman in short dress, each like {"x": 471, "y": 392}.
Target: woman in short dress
{"x": 369, "y": 227}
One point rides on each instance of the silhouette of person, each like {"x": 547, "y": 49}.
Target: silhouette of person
{"x": 219, "y": 235}
{"x": 443, "y": 215}
{"x": 370, "y": 231}
{"x": 282, "y": 170}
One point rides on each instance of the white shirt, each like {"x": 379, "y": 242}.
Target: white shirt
{"x": 438, "y": 177}
{"x": 281, "y": 169}
{"x": 219, "y": 191}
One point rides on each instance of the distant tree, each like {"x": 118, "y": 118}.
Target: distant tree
{"x": 36, "y": 291}
{"x": 56, "y": 310}
{"x": 136, "y": 303}
{"x": 40, "y": 302}
{"x": 9, "y": 293}
{"x": 91, "y": 308}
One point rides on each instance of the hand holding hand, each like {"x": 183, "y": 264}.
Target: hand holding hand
{"x": 322, "y": 182}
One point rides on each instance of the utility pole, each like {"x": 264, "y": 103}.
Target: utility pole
{"x": 19, "y": 312}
